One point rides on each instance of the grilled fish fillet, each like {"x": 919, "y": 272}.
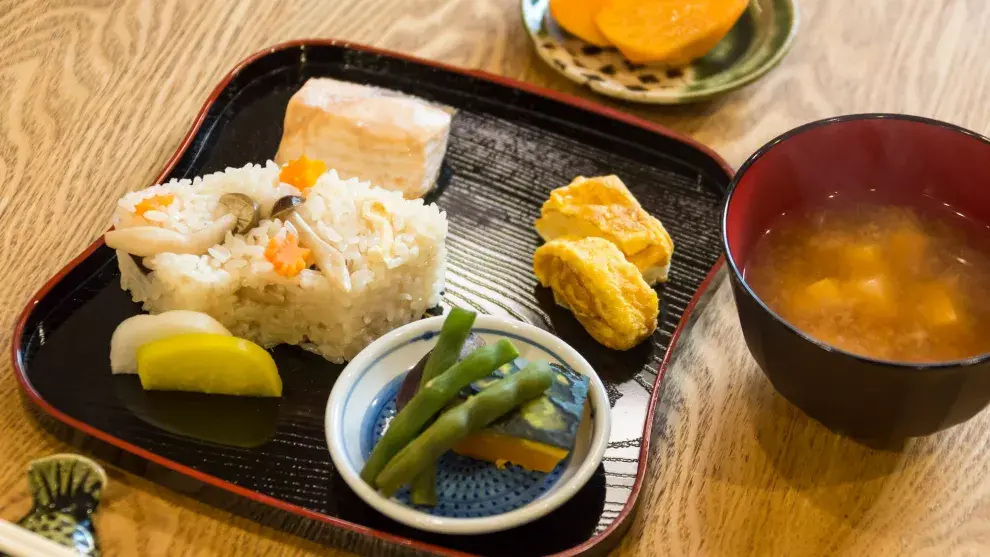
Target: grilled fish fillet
{"x": 393, "y": 141}
{"x": 603, "y": 207}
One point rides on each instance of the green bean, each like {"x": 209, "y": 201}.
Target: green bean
{"x": 431, "y": 399}
{"x": 455, "y": 330}
{"x": 423, "y": 490}
{"x": 457, "y": 423}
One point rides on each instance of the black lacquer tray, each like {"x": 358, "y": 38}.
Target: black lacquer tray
{"x": 511, "y": 143}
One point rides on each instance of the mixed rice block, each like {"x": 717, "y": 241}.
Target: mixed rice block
{"x": 340, "y": 264}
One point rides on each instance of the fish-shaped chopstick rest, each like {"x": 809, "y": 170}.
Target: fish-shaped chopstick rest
{"x": 66, "y": 489}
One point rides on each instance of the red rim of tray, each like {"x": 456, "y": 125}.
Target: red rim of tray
{"x": 295, "y": 509}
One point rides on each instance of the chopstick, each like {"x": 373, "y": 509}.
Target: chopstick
{"x": 18, "y": 542}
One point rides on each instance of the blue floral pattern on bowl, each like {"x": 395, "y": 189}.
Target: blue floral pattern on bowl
{"x": 466, "y": 487}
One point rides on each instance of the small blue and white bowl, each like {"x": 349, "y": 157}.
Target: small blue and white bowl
{"x": 473, "y": 497}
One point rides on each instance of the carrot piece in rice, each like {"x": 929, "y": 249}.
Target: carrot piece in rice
{"x": 287, "y": 257}
{"x": 154, "y": 203}
{"x": 302, "y": 172}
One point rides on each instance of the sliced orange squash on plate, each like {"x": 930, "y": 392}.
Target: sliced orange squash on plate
{"x": 577, "y": 17}
{"x": 672, "y": 32}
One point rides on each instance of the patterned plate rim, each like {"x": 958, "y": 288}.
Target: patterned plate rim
{"x": 675, "y": 96}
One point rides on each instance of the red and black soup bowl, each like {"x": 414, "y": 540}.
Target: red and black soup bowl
{"x": 900, "y": 157}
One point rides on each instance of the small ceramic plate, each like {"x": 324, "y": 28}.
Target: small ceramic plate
{"x": 757, "y": 42}
{"x": 473, "y": 497}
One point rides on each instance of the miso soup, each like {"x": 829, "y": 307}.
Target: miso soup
{"x": 887, "y": 282}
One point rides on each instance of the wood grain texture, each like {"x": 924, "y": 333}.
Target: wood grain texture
{"x": 96, "y": 94}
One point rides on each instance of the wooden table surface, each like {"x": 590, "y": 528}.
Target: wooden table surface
{"x": 96, "y": 94}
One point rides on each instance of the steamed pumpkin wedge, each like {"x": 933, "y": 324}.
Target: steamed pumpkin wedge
{"x": 539, "y": 434}
{"x": 672, "y": 32}
{"x": 577, "y": 17}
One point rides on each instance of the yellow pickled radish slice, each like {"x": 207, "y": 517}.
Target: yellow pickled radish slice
{"x": 208, "y": 363}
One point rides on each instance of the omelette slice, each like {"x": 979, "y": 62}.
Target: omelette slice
{"x": 603, "y": 207}
{"x": 606, "y": 293}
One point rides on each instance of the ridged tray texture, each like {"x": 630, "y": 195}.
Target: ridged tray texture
{"x": 508, "y": 149}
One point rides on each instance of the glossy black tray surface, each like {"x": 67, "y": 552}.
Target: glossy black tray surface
{"x": 509, "y": 147}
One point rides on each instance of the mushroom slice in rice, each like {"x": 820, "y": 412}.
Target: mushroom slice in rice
{"x": 285, "y": 206}
{"x": 328, "y": 258}
{"x": 243, "y": 207}
{"x": 145, "y": 241}
{"x": 376, "y": 214}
